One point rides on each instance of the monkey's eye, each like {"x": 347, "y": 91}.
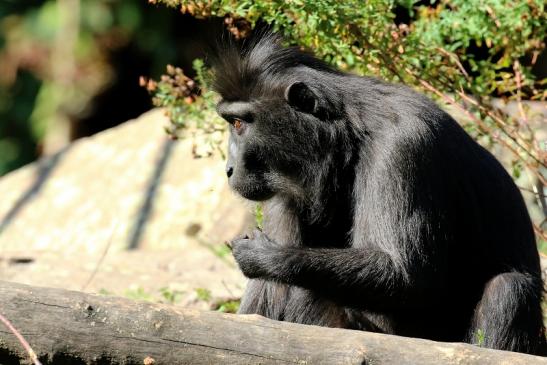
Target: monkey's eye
{"x": 238, "y": 124}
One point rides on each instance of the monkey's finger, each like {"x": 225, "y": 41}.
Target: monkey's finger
{"x": 257, "y": 232}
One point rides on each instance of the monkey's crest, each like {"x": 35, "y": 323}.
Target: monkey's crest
{"x": 243, "y": 70}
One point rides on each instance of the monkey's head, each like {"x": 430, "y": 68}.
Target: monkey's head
{"x": 284, "y": 117}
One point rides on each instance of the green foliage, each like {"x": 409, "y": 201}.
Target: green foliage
{"x": 542, "y": 246}
{"x": 479, "y": 337}
{"x": 189, "y": 104}
{"x": 259, "y": 215}
{"x": 163, "y": 295}
{"x": 499, "y": 32}
{"x": 138, "y": 293}
{"x": 203, "y": 294}
{"x": 170, "y": 296}
{"x": 227, "y": 306}
{"x": 106, "y": 292}
{"x": 363, "y": 37}
{"x": 221, "y": 251}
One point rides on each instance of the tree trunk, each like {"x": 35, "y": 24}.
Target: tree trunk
{"x": 67, "y": 327}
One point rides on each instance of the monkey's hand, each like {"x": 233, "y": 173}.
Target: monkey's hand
{"x": 253, "y": 253}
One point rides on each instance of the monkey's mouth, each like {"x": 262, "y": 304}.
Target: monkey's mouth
{"x": 252, "y": 190}
{"x": 258, "y": 196}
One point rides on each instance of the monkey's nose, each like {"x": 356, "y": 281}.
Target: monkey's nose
{"x": 229, "y": 171}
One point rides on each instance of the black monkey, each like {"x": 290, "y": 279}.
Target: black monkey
{"x": 381, "y": 213}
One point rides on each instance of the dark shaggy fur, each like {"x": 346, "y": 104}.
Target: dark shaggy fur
{"x": 381, "y": 213}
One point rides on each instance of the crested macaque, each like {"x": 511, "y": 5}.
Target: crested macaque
{"x": 380, "y": 212}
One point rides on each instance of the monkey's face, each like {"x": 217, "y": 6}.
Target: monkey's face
{"x": 274, "y": 142}
{"x": 246, "y": 168}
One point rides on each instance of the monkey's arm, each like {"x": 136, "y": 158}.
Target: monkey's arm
{"x": 351, "y": 276}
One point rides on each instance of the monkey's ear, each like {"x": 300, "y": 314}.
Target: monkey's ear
{"x": 300, "y": 96}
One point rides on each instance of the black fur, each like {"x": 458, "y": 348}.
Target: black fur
{"x": 381, "y": 213}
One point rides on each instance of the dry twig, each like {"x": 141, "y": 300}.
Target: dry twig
{"x": 22, "y": 340}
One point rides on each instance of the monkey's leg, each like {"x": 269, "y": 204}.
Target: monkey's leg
{"x": 306, "y": 307}
{"x": 265, "y": 298}
{"x": 297, "y": 305}
{"x": 303, "y": 306}
{"x": 509, "y": 317}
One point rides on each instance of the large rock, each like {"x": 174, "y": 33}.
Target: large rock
{"x": 126, "y": 188}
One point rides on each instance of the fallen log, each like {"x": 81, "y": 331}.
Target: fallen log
{"x": 67, "y": 327}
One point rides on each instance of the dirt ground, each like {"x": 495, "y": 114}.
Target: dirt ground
{"x": 195, "y": 278}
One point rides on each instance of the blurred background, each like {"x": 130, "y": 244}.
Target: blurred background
{"x": 71, "y": 68}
